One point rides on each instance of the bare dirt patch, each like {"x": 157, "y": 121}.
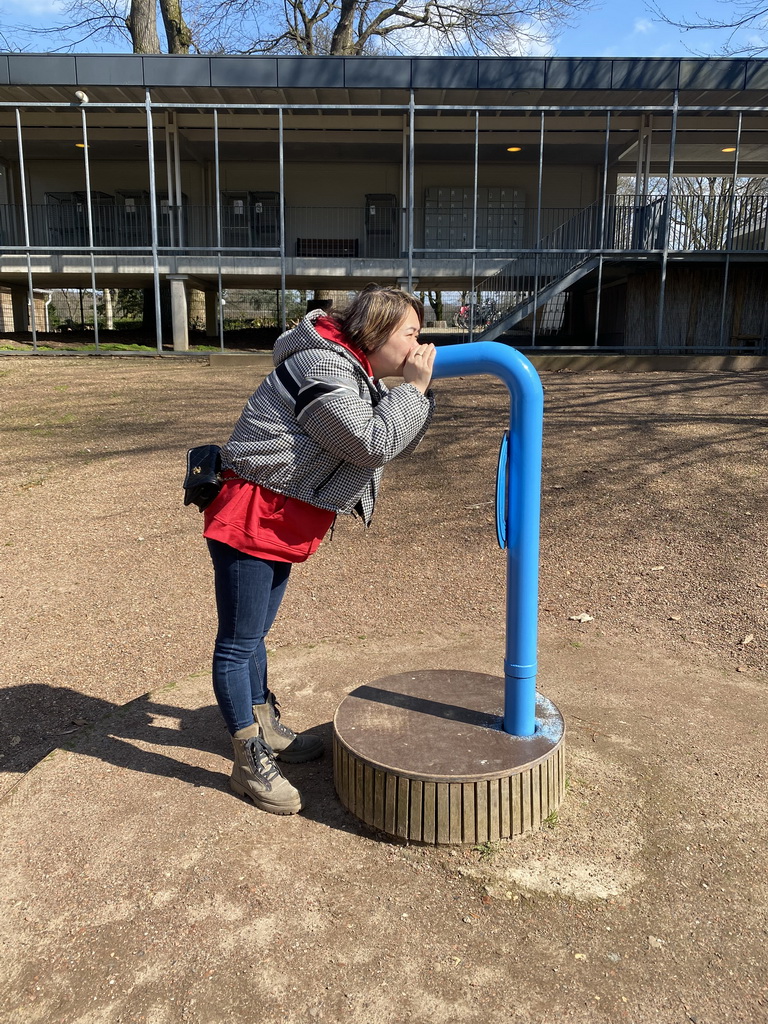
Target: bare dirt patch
{"x": 139, "y": 890}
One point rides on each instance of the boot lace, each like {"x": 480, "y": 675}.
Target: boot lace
{"x": 277, "y": 724}
{"x": 262, "y": 760}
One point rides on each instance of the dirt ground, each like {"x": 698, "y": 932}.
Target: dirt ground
{"x": 137, "y": 889}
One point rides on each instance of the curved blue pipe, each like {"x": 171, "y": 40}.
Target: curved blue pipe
{"x": 523, "y": 511}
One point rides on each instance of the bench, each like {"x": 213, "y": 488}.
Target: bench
{"x": 324, "y": 247}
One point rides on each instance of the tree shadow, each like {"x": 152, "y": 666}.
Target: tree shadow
{"x": 120, "y": 734}
{"x": 113, "y": 732}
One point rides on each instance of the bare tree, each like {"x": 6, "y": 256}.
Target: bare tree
{"x": 177, "y": 32}
{"x": 142, "y": 26}
{"x": 356, "y": 27}
{"x": 132, "y": 21}
{"x": 435, "y": 300}
{"x": 739, "y": 16}
{"x": 710, "y": 212}
{"x": 338, "y": 27}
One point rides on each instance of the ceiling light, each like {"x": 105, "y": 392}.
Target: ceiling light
{"x": 729, "y": 149}
{"x": 81, "y": 145}
{"x": 514, "y": 149}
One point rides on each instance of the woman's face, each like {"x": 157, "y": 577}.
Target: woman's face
{"x": 388, "y": 360}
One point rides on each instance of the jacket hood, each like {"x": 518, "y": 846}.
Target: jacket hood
{"x": 304, "y": 336}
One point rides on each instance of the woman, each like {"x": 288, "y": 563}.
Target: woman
{"x": 311, "y": 442}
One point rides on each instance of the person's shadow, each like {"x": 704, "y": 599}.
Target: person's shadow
{"x": 119, "y": 735}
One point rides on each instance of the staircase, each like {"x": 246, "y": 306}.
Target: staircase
{"x": 535, "y": 299}
{"x": 530, "y": 282}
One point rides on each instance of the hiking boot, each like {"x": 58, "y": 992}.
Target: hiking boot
{"x": 284, "y": 741}
{"x": 256, "y": 775}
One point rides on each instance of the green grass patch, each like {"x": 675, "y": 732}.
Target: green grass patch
{"x": 487, "y": 850}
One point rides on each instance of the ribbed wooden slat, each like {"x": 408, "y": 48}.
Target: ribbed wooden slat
{"x": 494, "y": 823}
{"x": 390, "y": 805}
{"x": 445, "y": 826}
{"x": 379, "y": 787}
{"x": 535, "y": 796}
{"x": 453, "y": 831}
{"x": 468, "y": 826}
{"x": 526, "y": 801}
{"x": 359, "y": 794}
{"x": 429, "y": 831}
{"x": 403, "y": 788}
{"x": 415, "y": 820}
{"x": 351, "y": 771}
{"x": 369, "y": 807}
{"x": 505, "y": 808}
{"x": 481, "y": 812}
{"x": 341, "y": 776}
{"x": 516, "y": 784}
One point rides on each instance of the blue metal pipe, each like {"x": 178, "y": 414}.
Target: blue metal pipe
{"x": 523, "y": 511}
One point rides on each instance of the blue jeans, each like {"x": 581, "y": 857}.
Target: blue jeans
{"x": 248, "y": 594}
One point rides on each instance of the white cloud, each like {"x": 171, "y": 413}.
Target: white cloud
{"x": 534, "y": 41}
{"x": 643, "y": 26}
{"x": 756, "y": 40}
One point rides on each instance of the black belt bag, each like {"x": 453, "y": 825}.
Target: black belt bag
{"x": 203, "y": 480}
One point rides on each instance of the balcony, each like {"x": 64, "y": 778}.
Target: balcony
{"x": 627, "y": 224}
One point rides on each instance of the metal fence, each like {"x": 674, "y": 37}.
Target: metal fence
{"x": 626, "y": 223}
{"x": 528, "y": 295}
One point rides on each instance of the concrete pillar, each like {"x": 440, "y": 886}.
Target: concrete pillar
{"x": 179, "y": 315}
{"x": 109, "y": 316}
{"x": 211, "y": 321}
{"x": 20, "y": 304}
{"x": 196, "y": 302}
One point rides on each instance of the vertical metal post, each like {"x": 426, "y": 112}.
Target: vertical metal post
{"x": 89, "y": 208}
{"x": 217, "y": 186}
{"x": 25, "y": 211}
{"x": 729, "y": 231}
{"x": 523, "y": 514}
{"x": 170, "y": 180}
{"x": 281, "y": 159}
{"x": 153, "y": 220}
{"x": 648, "y": 145}
{"x": 602, "y": 227}
{"x": 411, "y": 184}
{"x": 640, "y": 151}
{"x": 537, "y": 259}
{"x": 473, "y": 296}
{"x": 667, "y": 222}
{"x": 403, "y": 186}
{"x": 178, "y": 211}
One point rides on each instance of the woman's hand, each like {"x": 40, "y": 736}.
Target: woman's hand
{"x": 417, "y": 369}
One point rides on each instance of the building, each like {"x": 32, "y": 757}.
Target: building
{"x": 581, "y": 202}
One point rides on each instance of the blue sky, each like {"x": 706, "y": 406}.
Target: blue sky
{"x": 608, "y": 30}
{"x": 632, "y": 30}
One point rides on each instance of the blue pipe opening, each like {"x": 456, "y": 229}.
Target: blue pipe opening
{"x": 526, "y": 418}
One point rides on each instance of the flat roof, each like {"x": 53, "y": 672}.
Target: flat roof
{"x": 467, "y": 74}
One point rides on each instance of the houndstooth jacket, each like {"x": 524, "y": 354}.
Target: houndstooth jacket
{"x": 319, "y": 429}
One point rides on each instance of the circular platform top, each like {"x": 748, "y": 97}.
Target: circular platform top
{"x": 442, "y": 726}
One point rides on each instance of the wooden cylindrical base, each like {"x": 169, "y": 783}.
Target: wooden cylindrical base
{"x": 423, "y": 756}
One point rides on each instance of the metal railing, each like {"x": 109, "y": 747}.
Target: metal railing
{"x": 533, "y": 285}
{"x": 629, "y": 224}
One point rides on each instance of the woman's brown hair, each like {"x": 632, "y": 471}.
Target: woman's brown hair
{"x": 375, "y": 313}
